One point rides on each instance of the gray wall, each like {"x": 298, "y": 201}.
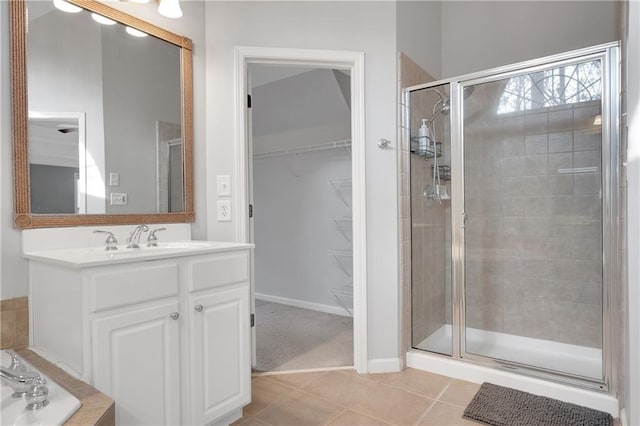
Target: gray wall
{"x": 632, "y": 370}
{"x": 369, "y": 27}
{"x": 304, "y": 109}
{"x": 133, "y": 71}
{"x": 419, "y": 31}
{"x": 478, "y": 35}
{"x": 65, "y": 75}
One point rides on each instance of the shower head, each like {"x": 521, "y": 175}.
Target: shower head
{"x": 443, "y": 105}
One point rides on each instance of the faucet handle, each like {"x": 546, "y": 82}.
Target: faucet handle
{"x": 110, "y": 243}
{"x": 152, "y": 239}
{"x": 16, "y": 363}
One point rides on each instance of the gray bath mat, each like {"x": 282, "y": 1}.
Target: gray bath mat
{"x": 499, "y": 406}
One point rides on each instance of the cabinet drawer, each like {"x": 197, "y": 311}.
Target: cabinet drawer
{"x": 218, "y": 270}
{"x": 132, "y": 284}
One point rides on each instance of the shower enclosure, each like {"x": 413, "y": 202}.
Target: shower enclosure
{"x": 514, "y": 178}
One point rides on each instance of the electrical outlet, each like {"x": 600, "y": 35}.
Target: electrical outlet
{"x": 224, "y": 185}
{"x": 118, "y": 199}
{"x": 224, "y": 210}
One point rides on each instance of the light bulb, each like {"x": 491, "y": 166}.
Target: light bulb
{"x": 170, "y": 8}
{"x": 135, "y": 33}
{"x": 66, "y": 6}
{"x": 102, "y": 19}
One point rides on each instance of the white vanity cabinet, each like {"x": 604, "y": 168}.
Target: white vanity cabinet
{"x": 168, "y": 339}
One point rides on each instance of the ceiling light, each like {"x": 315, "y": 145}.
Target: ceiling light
{"x": 66, "y": 6}
{"x": 102, "y": 19}
{"x": 170, "y": 8}
{"x": 135, "y": 33}
{"x": 139, "y": 1}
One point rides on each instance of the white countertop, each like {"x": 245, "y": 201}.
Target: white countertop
{"x": 98, "y": 256}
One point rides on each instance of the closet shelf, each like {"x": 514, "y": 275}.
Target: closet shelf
{"x": 345, "y": 298}
{"x": 344, "y": 225}
{"x": 342, "y": 188}
{"x": 343, "y": 259}
{"x": 346, "y": 143}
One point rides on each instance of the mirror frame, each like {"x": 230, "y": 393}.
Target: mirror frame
{"x": 23, "y": 218}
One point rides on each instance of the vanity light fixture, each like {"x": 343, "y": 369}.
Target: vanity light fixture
{"x": 135, "y": 33}
{"x": 66, "y": 6}
{"x": 102, "y": 19}
{"x": 170, "y": 8}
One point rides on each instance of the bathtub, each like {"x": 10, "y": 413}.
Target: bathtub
{"x": 12, "y": 410}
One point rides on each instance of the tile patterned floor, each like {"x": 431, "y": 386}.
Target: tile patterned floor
{"x": 341, "y": 398}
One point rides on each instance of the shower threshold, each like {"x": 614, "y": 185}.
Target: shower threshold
{"x": 562, "y": 357}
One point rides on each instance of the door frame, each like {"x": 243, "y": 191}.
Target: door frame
{"x": 334, "y": 59}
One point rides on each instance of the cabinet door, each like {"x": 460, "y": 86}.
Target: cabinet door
{"x": 221, "y": 368}
{"x": 136, "y": 361}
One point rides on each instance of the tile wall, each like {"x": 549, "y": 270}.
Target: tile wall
{"x": 431, "y": 227}
{"x": 14, "y": 316}
{"x": 533, "y": 232}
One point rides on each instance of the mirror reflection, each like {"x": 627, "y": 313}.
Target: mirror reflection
{"x": 105, "y": 114}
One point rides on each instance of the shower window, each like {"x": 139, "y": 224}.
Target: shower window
{"x": 553, "y": 87}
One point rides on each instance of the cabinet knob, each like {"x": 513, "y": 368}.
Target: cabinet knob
{"x": 174, "y": 316}
{"x": 198, "y": 308}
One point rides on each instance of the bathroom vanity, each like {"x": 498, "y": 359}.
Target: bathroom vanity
{"x": 164, "y": 331}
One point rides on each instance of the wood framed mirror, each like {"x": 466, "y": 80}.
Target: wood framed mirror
{"x": 102, "y": 117}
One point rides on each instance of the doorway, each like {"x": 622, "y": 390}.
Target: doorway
{"x": 346, "y": 70}
{"x": 301, "y": 187}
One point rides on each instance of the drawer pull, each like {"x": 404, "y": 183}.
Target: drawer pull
{"x": 174, "y": 316}
{"x": 198, "y": 308}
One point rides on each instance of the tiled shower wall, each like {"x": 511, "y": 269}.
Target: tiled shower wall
{"x": 533, "y": 233}
{"x": 430, "y": 228}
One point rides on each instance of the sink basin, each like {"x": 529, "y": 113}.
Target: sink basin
{"x": 96, "y": 256}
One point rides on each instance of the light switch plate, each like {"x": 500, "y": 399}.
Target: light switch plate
{"x": 224, "y": 210}
{"x": 223, "y": 183}
{"x": 118, "y": 199}
{"x": 114, "y": 179}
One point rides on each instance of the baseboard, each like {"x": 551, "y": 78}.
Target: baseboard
{"x": 335, "y": 310}
{"x": 385, "y": 365}
{"x": 623, "y": 418}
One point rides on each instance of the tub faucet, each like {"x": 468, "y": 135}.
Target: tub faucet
{"x": 28, "y": 385}
{"x": 134, "y": 238}
{"x": 16, "y": 362}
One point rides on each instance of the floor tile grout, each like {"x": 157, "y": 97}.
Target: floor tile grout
{"x": 302, "y": 390}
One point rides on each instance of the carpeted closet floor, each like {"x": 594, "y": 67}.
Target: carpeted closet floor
{"x": 290, "y": 338}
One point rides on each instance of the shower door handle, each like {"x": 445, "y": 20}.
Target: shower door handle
{"x": 464, "y": 219}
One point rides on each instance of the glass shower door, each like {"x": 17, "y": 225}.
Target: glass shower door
{"x": 430, "y": 182}
{"x": 533, "y": 233}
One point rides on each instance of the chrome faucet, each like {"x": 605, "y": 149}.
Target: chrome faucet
{"x": 25, "y": 384}
{"x": 134, "y": 238}
{"x": 110, "y": 243}
{"x": 152, "y": 239}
